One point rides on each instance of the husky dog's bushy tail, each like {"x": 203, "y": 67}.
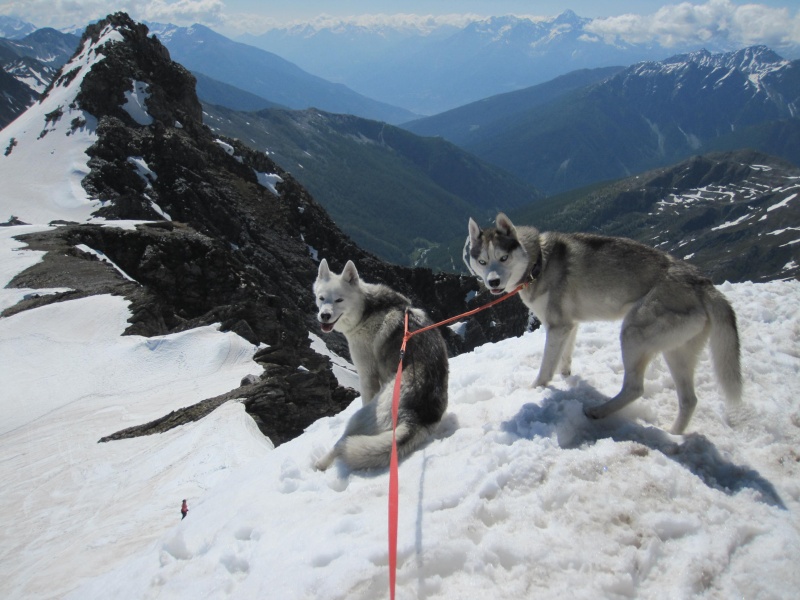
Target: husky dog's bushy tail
{"x": 367, "y": 439}
{"x": 724, "y": 345}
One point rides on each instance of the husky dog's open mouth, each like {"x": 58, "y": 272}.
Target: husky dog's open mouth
{"x": 328, "y": 327}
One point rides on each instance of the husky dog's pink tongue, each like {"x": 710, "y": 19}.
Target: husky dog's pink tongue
{"x": 327, "y": 326}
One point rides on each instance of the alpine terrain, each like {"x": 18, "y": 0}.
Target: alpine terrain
{"x": 159, "y": 344}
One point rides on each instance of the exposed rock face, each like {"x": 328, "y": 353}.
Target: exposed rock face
{"x": 236, "y": 239}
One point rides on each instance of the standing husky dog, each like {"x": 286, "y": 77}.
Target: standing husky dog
{"x": 665, "y": 305}
{"x": 371, "y": 317}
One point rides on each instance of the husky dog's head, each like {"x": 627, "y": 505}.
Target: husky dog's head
{"x": 496, "y": 255}
{"x": 339, "y": 297}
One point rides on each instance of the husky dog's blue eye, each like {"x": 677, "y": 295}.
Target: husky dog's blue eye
{"x": 482, "y": 262}
{"x": 504, "y": 258}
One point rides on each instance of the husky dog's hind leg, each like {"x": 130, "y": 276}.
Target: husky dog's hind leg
{"x": 651, "y": 327}
{"x": 367, "y": 421}
{"x": 682, "y": 362}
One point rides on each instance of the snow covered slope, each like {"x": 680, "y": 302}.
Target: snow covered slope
{"x": 518, "y": 494}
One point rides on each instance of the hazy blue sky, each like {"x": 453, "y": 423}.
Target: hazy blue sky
{"x": 767, "y": 21}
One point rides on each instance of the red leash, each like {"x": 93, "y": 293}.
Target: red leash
{"x": 394, "y": 485}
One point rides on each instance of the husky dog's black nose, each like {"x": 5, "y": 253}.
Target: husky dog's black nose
{"x": 493, "y": 283}
{"x": 325, "y": 317}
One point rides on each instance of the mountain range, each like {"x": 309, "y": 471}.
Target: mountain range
{"x": 13, "y": 28}
{"x": 47, "y": 46}
{"x": 579, "y": 129}
{"x": 732, "y": 214}
{"x": 430, "y": 67}
{"x": 560, "y": 136}
{"x": 28, "y": 63}
{"x": 228, "y": 72}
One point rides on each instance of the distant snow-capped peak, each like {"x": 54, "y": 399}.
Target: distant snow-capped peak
{"x": 755, "y": 61}
{"x": 14, "y": 28}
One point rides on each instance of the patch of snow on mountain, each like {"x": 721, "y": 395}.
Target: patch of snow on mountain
{"x": 101, "y": 256}
{"x": 136, "y": 103}
{"x": 269, "y": 181}
{"x": 728, "y": 224}
{"x": 225, "y": 146}
{"x": 143, "y": 170}
{"x": 782, "y": 203}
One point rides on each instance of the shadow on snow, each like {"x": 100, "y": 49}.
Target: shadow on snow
{"x": 562, "y": 413}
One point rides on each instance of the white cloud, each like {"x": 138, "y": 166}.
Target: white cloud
{"x": 63, "y": 13}
{"x": 182, "y": 12}
{"x": 672, "y": 25}
{"x": 687, "y": 23}
{"x": 404, "y": 20}
{"x": 424, "y": 23}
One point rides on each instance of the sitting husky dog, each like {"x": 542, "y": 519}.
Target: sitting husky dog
{"x": 665, "y": 305}
{"x": 371, "y": 317}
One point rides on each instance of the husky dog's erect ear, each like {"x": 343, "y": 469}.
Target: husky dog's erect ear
{"x": 350, "y": 273}
{"x": 324, "y": 272}
{"x": 474, "y": 231}
{"x": 505, "y": 226}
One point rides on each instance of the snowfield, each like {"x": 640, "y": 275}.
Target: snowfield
{"x": 517, "y": 495}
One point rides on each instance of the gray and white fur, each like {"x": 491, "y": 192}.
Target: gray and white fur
{"x": 665, "y": 304}
{"x": 371, "y": 318}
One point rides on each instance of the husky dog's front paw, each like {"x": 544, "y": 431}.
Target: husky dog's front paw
{"x": 540, "y": 382}
{"x": 323, "y": 463}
